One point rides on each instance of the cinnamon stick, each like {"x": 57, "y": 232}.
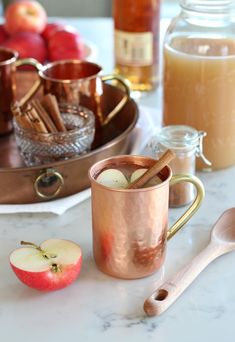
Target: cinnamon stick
{"x": 50, "y": 104}
{"x": 21, "y": 118}
{"x": 153, "y": 171}
{"x": 45, "y": 118}
{"x": 25, "y": 122}
{"x": 36, "y": 121}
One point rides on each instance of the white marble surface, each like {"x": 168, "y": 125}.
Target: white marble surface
{"x": 100, "y": 308}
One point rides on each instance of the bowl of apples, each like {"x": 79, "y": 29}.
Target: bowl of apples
{"x": 27, "y": 30}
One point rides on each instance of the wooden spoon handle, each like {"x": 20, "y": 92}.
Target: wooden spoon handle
{"x": 166, "y": 294}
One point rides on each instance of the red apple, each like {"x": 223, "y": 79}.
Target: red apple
{"x": 53, "y": 265}
{"x": 25, "y": 16}
{"x": 3, "y": 34}
{"x": 65, "y": 44}
{"x": 28, "y": 44}
{"x": 50, "y": 29}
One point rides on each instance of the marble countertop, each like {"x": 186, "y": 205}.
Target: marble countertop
{"x": 97, "y": 307}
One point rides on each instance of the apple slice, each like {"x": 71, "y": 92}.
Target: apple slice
{"x": 112, "y": 178}
{"x": 53, "y": 265}
{"x": 139, "y": 172}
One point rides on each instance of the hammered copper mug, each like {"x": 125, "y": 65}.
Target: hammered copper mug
{"x": 130, "y": 226}
{"x": 78, "y": 82}
{"x": 8, "y": 65}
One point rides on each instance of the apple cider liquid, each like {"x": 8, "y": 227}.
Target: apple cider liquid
{"x": 199, "y": 76}
{"x": 199, "y": 90}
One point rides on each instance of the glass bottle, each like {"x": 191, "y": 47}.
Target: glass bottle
{"x": 199, "y": 75}
{"x": 136, "y": 38}
{"x": 187, "y": 144}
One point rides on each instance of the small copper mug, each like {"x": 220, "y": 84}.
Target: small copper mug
{"x": 78, "y": 83}
{"x": 130, "y": 226}
{"x": 8, "y": 65}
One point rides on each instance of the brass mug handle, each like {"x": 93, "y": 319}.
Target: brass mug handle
{"x": 193, "y": 207}
{"x": 45, "y": 175}
{"x": 38, "y": 66}
{"x": 123, "y": 101}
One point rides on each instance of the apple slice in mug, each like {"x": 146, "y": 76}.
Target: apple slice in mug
{"x": 112, "y": 178}
{"x": 53, "y": 265}
{"x": 139, "y": 172}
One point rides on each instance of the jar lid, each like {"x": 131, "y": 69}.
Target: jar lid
{"x": 208, "y": 6}
{"x": 179, "y": 136}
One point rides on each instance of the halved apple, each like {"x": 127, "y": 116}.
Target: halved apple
{"x": 53, "y": 265}
{"x": 112, "y": 178}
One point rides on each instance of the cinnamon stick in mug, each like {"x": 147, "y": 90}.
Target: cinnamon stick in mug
{"x": 153, "y": 171}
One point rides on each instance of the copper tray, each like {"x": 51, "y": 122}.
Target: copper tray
{"x": 21, "y": 184}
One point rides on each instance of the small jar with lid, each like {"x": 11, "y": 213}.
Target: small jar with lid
{"x": 187, "y": 144}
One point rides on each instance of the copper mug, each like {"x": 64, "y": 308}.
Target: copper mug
{"x": 78, "y": 82}
{"x": 8, "y": 65}
{"x": 130, "y": 225}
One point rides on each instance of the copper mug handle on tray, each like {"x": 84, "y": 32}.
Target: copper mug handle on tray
{"x": 124, "y": 100}
{"x": 63, "y": 79}
{"x": 37, "y": 65}
{"x": 8, "y": 63}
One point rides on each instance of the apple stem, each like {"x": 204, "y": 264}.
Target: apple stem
{"x": 26, "y": 243}
{"x": 46, "y": 255}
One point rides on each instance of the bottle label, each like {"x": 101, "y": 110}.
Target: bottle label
{"x": 134, "y": 49}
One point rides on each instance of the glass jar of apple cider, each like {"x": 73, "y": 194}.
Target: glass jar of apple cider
{"x": 199, "y": 75}
{"x": 136, "y": 42}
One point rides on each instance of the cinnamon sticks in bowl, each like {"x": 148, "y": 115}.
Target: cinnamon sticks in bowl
{"x": 43, "y": 115}
{"x": 47, "y": 132}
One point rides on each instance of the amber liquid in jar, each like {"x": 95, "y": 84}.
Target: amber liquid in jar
{"x": 136, "y": 36}
{"x": 199, "y": 90}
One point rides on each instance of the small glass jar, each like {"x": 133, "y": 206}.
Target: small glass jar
{"x": 199, "y": 75}
{"x": 187, "y": 144}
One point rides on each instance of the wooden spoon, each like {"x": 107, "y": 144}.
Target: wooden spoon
{"x": 222, "y": 241}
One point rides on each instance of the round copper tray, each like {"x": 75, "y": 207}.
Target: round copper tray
{"x": 20, "y": 184}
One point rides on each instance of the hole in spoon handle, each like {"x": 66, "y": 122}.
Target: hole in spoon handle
{"x": 168, "y": 292}
{"x": 155, "y": 304}
{"x": 160, "y": 295}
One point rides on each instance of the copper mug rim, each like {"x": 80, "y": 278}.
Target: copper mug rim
{"x": 46, "y": 67}
{"x": 98, "y": 166}
{"x": 9, "y": 60}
